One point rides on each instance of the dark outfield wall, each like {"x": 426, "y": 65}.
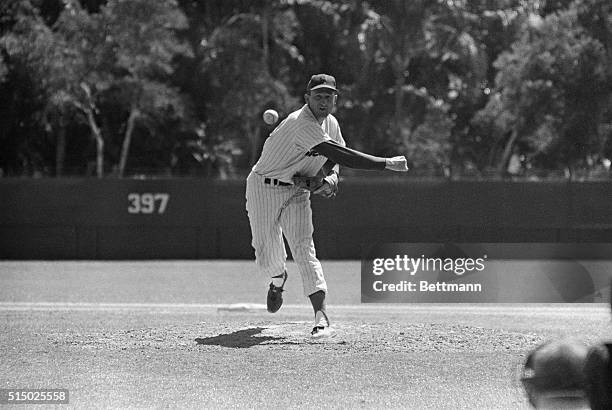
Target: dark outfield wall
{"x": 193, "y": 218}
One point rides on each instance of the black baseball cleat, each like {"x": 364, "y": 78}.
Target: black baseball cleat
{"x": 321, "y": 331}
{"x": 275, "y": 294}
{"x": 322, "y": 326}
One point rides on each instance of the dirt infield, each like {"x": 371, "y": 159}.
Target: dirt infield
{"x": 194, "y": 334}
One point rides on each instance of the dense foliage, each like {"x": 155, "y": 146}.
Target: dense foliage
{"x": 177, "y": 87}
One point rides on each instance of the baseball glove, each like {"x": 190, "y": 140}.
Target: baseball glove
{"x": 308, "y": 183}
{"x": 326, "y": 187}
{"x": 325, "y": 183}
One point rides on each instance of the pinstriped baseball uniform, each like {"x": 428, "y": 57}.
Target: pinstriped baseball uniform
{"x": 275, "y": 209}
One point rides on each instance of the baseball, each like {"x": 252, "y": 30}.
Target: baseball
{"x": 270, "y": 117}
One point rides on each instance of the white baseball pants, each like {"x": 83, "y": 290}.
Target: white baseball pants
{"x": 277, "y": 210}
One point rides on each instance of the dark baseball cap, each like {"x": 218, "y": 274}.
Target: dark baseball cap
{"x": 321, "y": 81}
{"x": 555, "y": 370}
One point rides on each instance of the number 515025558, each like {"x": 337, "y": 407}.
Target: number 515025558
{"x": 147, "y": 203}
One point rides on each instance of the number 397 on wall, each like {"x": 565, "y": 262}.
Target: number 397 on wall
{"x": 147, "y": 203}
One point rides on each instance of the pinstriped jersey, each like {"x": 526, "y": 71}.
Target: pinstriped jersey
{"x": 288, "y": 150}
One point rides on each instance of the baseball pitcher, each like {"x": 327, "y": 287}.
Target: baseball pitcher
{"x": 301, "y": 156}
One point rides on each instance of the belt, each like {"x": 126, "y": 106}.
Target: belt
{"x": 273, "y": 181}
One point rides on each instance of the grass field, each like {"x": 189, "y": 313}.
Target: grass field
{"x": 196, "y": 334}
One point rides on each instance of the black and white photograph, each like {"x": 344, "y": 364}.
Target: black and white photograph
{"x": 335, "y": 204}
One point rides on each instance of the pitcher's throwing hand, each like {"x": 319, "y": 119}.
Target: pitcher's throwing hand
{"x": 397, "y": 164}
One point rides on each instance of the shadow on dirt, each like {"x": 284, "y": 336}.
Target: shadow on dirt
{"x": 244, "y": 338}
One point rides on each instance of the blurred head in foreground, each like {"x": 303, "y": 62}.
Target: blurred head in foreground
{"x": 598, "y": 373}
{"x": 553, "y": 375}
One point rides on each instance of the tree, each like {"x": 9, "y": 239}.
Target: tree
{"x": 494, "y": 25}
{"x": 242, "y": 85}
{"x": 595, "y": 16}
{"x": 27, "y": 46}
{"x": 122, "y": 53}
{"x": 129, "y": 50}
{"x": 416, "y": 76}
{"x": 81, "y": 73}
{"x": 549, "y": 93}
{"x": 401, "y": 37}
{"x": 3, "y": 70}
{"x": 142, "y": 35}
{"x": 432, "y": 58}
